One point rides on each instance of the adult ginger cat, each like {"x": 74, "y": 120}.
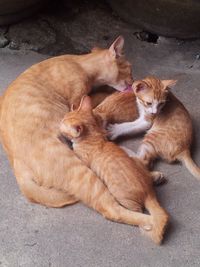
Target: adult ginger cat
{"x": 157, "y": 111}
{"x": 47, "y": 171}
{"x": 126, "y": 178}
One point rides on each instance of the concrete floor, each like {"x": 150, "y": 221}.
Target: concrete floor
{"x": 35, "y": 236}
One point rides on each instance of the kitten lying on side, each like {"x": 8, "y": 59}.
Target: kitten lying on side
{"x": 169, "y": 125}
{"x": 126, "y": 178}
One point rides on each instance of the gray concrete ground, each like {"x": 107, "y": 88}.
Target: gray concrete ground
{"x": 35, "y": 236}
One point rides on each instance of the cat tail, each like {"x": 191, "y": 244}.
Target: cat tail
{"x": 159, "y": 219}
{"x": 185, "y": 157}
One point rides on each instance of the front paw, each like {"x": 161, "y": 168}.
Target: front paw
{"x": 112, "y": 131}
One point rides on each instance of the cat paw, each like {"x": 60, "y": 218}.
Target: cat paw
{"x": 158, "y": 178}
{"x": 112, "y": 131}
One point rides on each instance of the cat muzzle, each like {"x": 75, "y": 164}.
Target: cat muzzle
{"x": 128, "y": 88}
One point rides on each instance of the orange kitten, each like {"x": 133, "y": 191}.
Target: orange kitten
{"x": 127, "y": 179}
{"x": 151, "y": 95}
{"x": 118, "y": 107}
{"x": 162, "y": 115}
{"x": 47, "y": 171}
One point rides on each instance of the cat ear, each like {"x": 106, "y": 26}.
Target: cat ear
{"x": 168, "y": 83}
{"x": 86, "y": 104}
{"x": 139, "y": 86}
{"x": 116, "y": 49}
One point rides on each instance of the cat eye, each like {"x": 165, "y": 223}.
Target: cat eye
{"x": 148, "y": 103}
{"x": 161, "y": 104}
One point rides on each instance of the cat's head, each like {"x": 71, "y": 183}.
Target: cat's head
{"x": 151, "y": 93}
{"x": 115, "y": 69}
{"x": 79, "y": 122}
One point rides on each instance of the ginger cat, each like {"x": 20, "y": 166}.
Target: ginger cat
{"x": 157, "y": 111}
{"x": 126, "y": 178}
{"x": 150, "y": 96}
{"x": 47, "y": 171}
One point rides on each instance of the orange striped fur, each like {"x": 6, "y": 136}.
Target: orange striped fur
{"x": 47, "y": 171}
{"x": 126, "y": 178}
{"x": 170, "y": 133}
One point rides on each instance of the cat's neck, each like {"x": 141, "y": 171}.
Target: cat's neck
{"x": 142, "y": 113}
{"x": 90, "y": 138}
{"x": 88, "y": 148}
{"x": 92, "y": 64}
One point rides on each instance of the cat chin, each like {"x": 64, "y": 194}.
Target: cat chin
{"x": 119, "y": 87}
{"x": 152, "y": 114}
{"x": 127, "y": 89}
{"x": 124, "y": 89}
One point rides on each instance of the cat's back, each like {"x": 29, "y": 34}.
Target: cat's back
{"x": 33, "y": 105}
{"x": 126, "y": 178}
{"x": 118, "y": 165}
{"x": 173, "y": 111}
{"x": 45, "y": 85}
{"x": 49, "y": 74}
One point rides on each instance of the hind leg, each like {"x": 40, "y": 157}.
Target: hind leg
{"x": 98, "y": 97}
{"x": 91, "y": 190}
{"x": 47, "y": 196}
{"x": 158, "y": 177}
{"x": 117, "y": 108}
{"x": 85, "y": 187}
{"x": 146, "y": 153}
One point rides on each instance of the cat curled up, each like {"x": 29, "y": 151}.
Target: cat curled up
{"x": 126, "y": 178}
{"x": 47, "y": 171}
{"x": 157, "y": 111}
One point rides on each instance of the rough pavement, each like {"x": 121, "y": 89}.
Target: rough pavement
{"x": 35, "y": 236}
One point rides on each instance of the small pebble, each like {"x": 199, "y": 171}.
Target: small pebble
{"x": 197, "y": 56}
{"x": 13, "y": 46}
